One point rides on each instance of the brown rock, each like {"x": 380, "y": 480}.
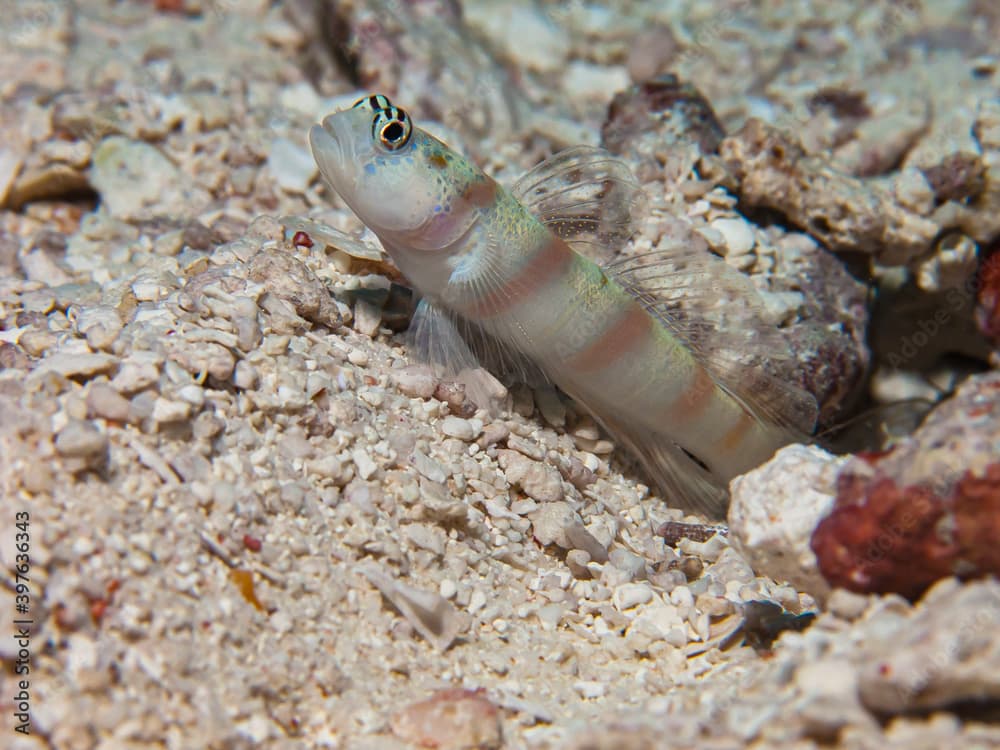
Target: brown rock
{"x": 650, "y": 117}
{"x": 846, "y": 213}
{"x": 289, "y": 280}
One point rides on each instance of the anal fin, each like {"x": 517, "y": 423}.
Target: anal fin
{"x": 683, "y": 481}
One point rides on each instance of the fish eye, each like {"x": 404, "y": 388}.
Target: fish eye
{"x": 392, "y": 127}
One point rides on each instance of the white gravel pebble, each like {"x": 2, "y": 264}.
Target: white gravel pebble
{"x": 132, "y": 176}
{"x": 737, "y": 235}
{"x": 425, "y": 536}
{"x": 76, "y": 365}
{"x": 539, "y": 481}
{"x": 328, "y": 466}
{"x": 166, "y": 410}
{"x": 80, "y": 439}
{"x": 105, "y": 402}
{"x": 550, "y": 521}
{"x": 590, "y": 689}
{"x": 476, "y": 601}
{"x": 428, "y": 467}
{"x": 291, "y": 164}
{"x": 136, "y": 373}
{"x": 631, "y": 595}
{"x": 245, "y": 376}
{"x": 363, "y": 463}
{"x": 416, "y": 381}
{"x": 193, "y": 394}
{"x": 463, "y": 429}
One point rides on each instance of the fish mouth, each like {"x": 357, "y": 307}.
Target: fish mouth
{"x": 328, "y": 150}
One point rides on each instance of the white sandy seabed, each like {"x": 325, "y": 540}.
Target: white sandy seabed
{"x": 254, "y": 522}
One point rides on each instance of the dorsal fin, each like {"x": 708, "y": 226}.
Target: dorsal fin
{"x": 585, "y": 196}
{"x": 716, "y": 311}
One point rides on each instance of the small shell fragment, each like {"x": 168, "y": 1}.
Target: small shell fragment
{"x": 430, "y": 614}
{"x": 317, "y": 231}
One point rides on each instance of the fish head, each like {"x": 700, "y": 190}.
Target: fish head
{"x": 388, "y": 171}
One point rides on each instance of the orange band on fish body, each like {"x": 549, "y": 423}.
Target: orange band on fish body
{"x": 549, "y": 262}
{"x": 621, "y": 337}
{"x": 735, "y": 435}
{"x": 697, "y": 396}
{"x": 480, "y": 193}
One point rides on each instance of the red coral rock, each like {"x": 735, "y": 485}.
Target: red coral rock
{"x": 882, "y": 538}
{"x": 988, "y": 296}
{"x": 977, "y": 520}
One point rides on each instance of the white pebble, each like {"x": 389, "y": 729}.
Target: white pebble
{"x": 428, "y": 467}
{"x": 677, "y": 637}
{"x": 328, "y": 466}
{"x": 631, "y": 595}
{"x": 737, "y": 235}
{"x": 245, "y": 376}
{"x": 584, "y": 80}
{"x": 364, "y": 464}
{"x": 105, "y": 402}
{"x": 463, "y": 429}
{"x": 416, "y": 381}
{"x": 165, "y": 410}
{"x": 193, "y": 394}
{"x": 681, "y": 596}
{"x": 590, "y": 689}
{"x": 476, "y": 601}
{"x": 448, "y": 588}
{"x": 372, "y": 396}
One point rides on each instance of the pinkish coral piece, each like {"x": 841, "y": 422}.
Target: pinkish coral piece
{"x": 451, "y": 719}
